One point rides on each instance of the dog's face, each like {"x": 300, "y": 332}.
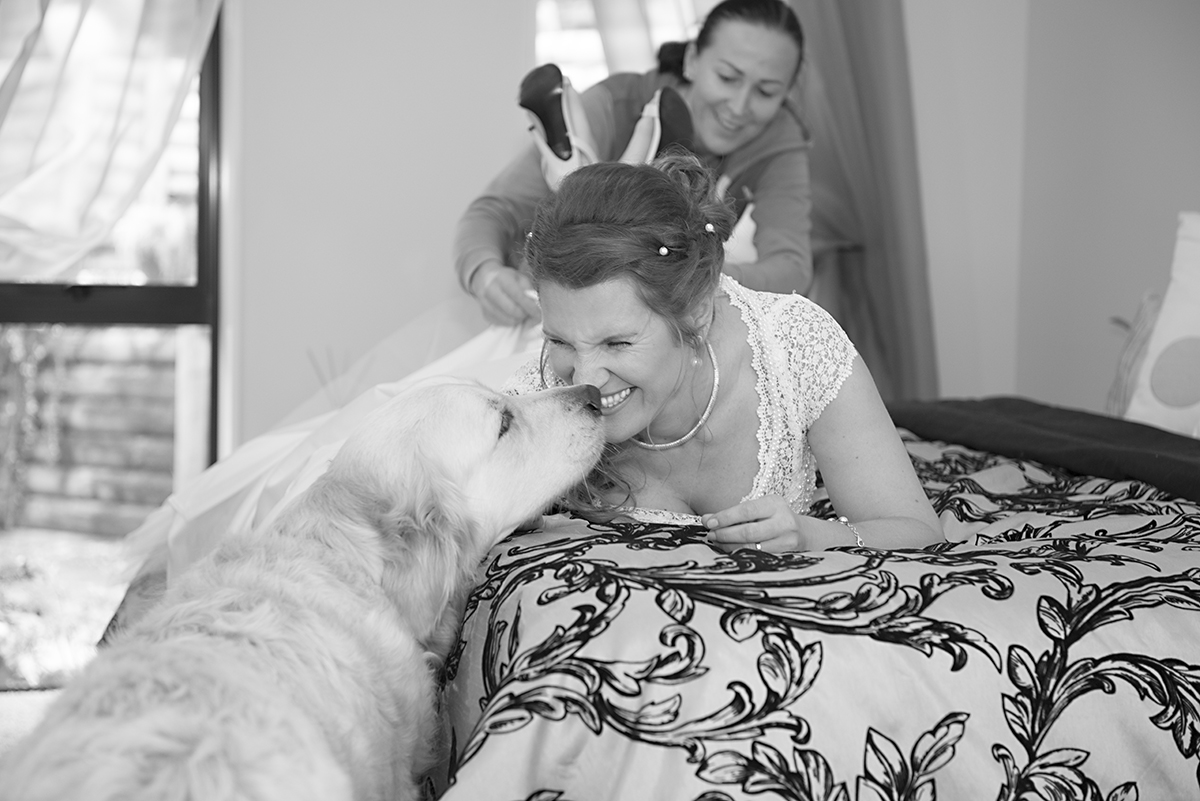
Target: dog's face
{"x": 435, "y": 477}
{"x": 506, "y": 457}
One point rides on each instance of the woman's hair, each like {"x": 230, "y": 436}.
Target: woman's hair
{"x": 663, "y": 225}
{"x": 775, "y": 15}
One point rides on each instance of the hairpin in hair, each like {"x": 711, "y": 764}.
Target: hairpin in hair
{"x": 709, "y": 228}
{"x": 664, "y": 250}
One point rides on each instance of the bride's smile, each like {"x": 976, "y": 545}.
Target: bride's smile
{"x": 610, "y": 402}
{"x": 605, "y": 335}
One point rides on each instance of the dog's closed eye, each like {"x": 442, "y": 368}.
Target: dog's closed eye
{"x": 506, "y": 418}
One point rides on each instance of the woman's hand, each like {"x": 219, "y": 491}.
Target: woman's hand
{"x": 506, "y": 295}
{"x": 769, "y": 524}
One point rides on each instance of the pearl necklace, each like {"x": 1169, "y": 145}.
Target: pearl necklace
{"x": 712, "y": 400}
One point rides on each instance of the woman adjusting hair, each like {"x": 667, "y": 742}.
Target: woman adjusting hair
{"x": 723, "y": 96}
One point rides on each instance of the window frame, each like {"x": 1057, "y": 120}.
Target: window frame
{"x": 96, "y": 305}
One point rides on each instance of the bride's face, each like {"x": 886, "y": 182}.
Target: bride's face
{"x": 606, "y": 336}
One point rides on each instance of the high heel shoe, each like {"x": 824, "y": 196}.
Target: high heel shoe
{"x": 559, "y": 123}
{"x": 542, "y": 95}
{"x": 675, "y": 123}
{"x": 666, "y": 123}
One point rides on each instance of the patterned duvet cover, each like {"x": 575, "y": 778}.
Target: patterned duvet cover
{"x": 1049, "y": 649}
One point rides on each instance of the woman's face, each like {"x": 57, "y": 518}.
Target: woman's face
{"x": 606, "y": 336}
{"x": 738, "y": 83}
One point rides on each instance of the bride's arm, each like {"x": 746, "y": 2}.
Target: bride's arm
{"x": 867, "y": 473}
{"x": 866, "y": 468}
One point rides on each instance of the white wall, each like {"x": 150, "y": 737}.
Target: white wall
{"x": 1112, "y": 155}
{"x": 355, "y": 133}
{"x": 967, "y": 63}
{"x": 1057, "y": 143}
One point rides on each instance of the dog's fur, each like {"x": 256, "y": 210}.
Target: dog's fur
{"x": 299, "y": 662}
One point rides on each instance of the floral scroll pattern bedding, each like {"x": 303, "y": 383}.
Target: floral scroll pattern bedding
{"x": 1049, "y": 649}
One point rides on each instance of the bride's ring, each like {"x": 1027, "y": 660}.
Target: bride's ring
{"x": 758, "y": 546}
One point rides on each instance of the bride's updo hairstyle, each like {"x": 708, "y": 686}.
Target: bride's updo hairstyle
{"x": 662, "y": 224}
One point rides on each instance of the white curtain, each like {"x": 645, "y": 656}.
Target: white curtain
{"x": 89, "y": 93}
{"x": 866, "y": 190}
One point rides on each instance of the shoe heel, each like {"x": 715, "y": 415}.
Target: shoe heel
{"x": 675, "y": 122}
{"x": 542, "y": 95}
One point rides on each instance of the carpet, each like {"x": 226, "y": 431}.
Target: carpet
{"x": 58, "y": 591}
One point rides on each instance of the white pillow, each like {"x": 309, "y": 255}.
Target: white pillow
{"x": 1133, "y": 353}
{"x": 1166, "y": 390}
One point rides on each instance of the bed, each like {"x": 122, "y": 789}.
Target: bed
{"x": 1049, "y": 649}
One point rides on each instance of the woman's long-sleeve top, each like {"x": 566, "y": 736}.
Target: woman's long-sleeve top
{"x": 771, "y": 172}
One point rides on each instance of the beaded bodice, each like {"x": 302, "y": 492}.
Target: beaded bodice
{"x": 800, "y": 357}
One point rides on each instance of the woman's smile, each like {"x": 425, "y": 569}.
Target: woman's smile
{"x": 726, "y": 124}
{"x": 609, "y": 403}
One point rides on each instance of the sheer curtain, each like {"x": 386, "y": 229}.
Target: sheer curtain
{"x": 868, "y": 235}
{"x": 89, "y": 93}
{"x": 868, "y": 232}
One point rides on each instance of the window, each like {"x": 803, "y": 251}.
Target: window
{"x": 582, "y": 37}
{"x": 107, "y": 373}
{"x": 567, "y": 36}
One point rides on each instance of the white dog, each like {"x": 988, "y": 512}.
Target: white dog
{"x": 299, "y": 662}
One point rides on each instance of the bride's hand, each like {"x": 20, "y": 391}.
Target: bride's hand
{"x": 769, "y": 524}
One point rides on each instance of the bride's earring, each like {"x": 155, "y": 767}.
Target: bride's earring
{"x": 542, "y": 361}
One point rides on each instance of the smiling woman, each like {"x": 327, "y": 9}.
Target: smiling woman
{"x": 735, "y": 85}
{"x": 738, "y": 75}
{"x": 627, "y": 263}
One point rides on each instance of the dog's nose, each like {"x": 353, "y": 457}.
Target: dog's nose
{"x": 589, "y": 396}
